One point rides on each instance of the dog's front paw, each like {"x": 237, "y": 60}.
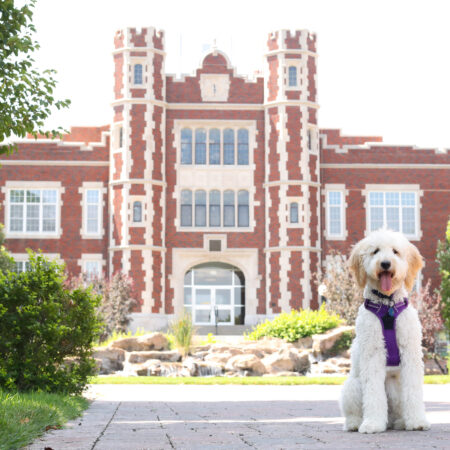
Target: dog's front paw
{"x": 352, "y": 423}
{"x": 421, "y": 424}
{"x": 370, "y": 426}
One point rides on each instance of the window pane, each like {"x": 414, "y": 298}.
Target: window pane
{"x": 49, "y": 218}
{"x": 50, "y": 196}
{"x": 335, "y": 220}
{"x": 408, "y": 199}
{"x": 92, "y": 212}
{"x": 200, "y": 146}
{"x": 292, "y": 76}
{"x": 202, "y": 316}
{"x": 243, "y": 209}
{"x": 200, "y": 208}
{"x": 92, "y": 270}
{"x": 17, "y": 196}
{"x": 16, "y": 218}
{"x": 223, "y": 316}
{"x": 213, "y": 276}
{"x": 392, "y": 218}
{"x": 293, "y": 212}
{"x": 188, "y": 277}
{"x": 239, "y": 313}
{"x": 32, "y": 217}
{"x": 120, "y": 137}
{"x": 186, "y": 146}
{"x": 188, "y": 296}
{"x": 238, "y": 278}
{"x": 214, "y": 146}
{"x": 392, "y": 199}
{"x": 376, "y": 218}
{"x": 214, "y": 209}
{"x": 228, "y": 209}
{"x": 186, "y": 208}
{"x": 376, "y": 199}
{"x": 203, "y": 297}
{"x": 334, "y": 198}
{"x": 242, "y": 146}
{"x": 408, "y": 221}
{"x": 228, "y": 146}
{"x": 137, "y": 212}
{"x": 92, "y": 196}
{"x": 138, "y": 74}
{"x": 309, "y": 138}
{"x": 33, "y": 196}
{"x": 223, "y": 296}
{"x": 239, "y": 296}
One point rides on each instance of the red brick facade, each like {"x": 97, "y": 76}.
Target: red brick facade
{"x": 292, "y": 164}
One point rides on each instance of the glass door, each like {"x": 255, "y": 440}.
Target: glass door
{"x": 203, "y": 303}
{"x": 223, "y": 305}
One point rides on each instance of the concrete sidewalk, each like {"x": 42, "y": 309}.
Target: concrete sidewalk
{"x": 233, "y": 417}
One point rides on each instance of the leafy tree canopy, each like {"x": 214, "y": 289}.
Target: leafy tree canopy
{"x": 26, "y": 94}
{"x": 443, "y": 258}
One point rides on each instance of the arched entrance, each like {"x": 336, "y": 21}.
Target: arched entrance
{"x": 215, "y": 293}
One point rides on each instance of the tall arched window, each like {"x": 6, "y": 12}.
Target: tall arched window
{"x": 200, "y": 208}
{"x": 214, "y": 208}
{"x": 242, "y": 146}
{"x": 292, "y": 76}
{"x": 186, "y": 208}
{"x": 186, "y": 146}
{"x": 228, "y": 146}
{"x": 214, "y": 146}
{"x": 137, "y": 79}
{"x": 293, "y": 212}
{"x": 200, "y": 146}
{"x": 228, "y": 209}
{"x": 120, "y": 137}
{"x": 243, "y": 209}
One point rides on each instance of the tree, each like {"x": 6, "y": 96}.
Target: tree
{"x": 338, "y": 287}
{"x": 6, "y": 261}
{"x": 443, "y": 259}
{"x": 26, "y": 94}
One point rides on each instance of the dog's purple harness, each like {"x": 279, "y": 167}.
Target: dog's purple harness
{"x": 388, "y": 315}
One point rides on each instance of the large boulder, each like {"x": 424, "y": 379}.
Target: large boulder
{"x": 169, "y": 356}
{"x": 247, "y": 362}
{"x": 218, "y": 358}
{"x": 323, "y": 343}
{"x": 152, "y": 341}
{"x": 109, "y": 359}
{"x": 286, "y": 360}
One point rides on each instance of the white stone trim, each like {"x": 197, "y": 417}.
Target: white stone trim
{"x": 92, "y": 185}
{"x": 343, "y": 210}
{"x": 395, "y": 188}
{"x": 214, "y": 87}
{"x": 12, "y": 184}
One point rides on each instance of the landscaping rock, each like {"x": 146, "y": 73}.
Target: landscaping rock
{"x": 323, "y": 343}
{"x": 152, "y": 341}
{"x": 246, "y": 362}
{"x": 435, "y": 366}
{"x": 169, "y": 355}
{"x": 304, "y": 343}
{"x": 218, "y": 358}
{"x": 111, "y": 359}
{"x": 289, "y": 360}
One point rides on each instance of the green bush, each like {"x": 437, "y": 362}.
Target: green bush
{"x": 443, "y": 259}
{"x": 296, "y": 325}
{"x": 183, "y": 332}
{"x": 46, "y": 330}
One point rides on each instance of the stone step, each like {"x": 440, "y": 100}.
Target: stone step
{"x": 224, "y": 330}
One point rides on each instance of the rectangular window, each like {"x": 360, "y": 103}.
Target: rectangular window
{"x": 33, "y": 210}
{"x": 21, "y": 266}
{"x": 92, "y": 270}
{"x": 335, "y": 209}
{"x": 394, "y": 210}
{"x": 93, "y": 210}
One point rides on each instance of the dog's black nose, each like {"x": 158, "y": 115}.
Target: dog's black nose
{"x": 385, "y": 265}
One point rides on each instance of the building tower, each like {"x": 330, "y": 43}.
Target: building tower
{"x": 137, "y": 180}
{"x": 292, "y": 171}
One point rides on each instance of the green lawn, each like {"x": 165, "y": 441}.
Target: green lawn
{"x": 23, "y": 417}
{"x": 429, "y": 379}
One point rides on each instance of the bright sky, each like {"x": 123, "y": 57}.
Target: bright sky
{"x": 383, "y": 67}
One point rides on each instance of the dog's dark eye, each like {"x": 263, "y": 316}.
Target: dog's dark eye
{"x": 395, "y": 251}
{"x": 376, "y": 251}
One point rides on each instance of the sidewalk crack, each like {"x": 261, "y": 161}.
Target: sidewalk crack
{"x": 105, "y": 428}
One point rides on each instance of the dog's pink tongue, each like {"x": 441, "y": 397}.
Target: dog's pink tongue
{"x": 386, "y": 281}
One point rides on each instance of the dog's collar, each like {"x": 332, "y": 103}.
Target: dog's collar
{"x": 378, "y": 297}
{"x": 384, "y": 296}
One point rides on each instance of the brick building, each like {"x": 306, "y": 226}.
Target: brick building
{"x": 216, "y": 193}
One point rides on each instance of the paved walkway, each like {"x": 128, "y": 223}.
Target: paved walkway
{"x": 233, "y": 417}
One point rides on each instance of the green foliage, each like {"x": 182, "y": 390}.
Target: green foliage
{"x": 171, "y": 341}
{"x": 6, "y": 262}
{"x": 25, "y": 416}
{"x": 26, "y": 93}
{"x": 296, "y": 325}
{"x": 183, "y": 332}
{"x": 443, "y": 259}
{"x": 210, "y": 339}
{"x": 342, "y": 344}
{"x": 46, "y": 330}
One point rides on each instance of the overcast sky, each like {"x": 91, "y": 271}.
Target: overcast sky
{"x": 383, "y": 67}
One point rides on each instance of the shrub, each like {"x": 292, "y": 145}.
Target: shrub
{"x": 428, "y": 306}
{"x": 343, "y": 295}
{"x": 183, "y": 332}
{"x": 46, "y": 330}
{"x": 6, "y": 262}
{"x": 443, "y": 259}
{"x": 296, "y": 325}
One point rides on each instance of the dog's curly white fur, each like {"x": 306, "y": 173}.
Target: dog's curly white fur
{"x": 375, "y": 396}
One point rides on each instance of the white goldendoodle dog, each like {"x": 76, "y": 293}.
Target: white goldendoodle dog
{"x": 384, "y": 388}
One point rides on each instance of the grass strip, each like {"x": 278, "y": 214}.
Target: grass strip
{"x": 25, "y": 416}
{"x": 280, "y": 381}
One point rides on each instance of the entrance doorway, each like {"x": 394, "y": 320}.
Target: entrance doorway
{"x": 214, "y": 293}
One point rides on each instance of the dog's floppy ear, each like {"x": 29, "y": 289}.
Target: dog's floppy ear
{"x": 415, "y": 263}
{"x": 356, "y": 265}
